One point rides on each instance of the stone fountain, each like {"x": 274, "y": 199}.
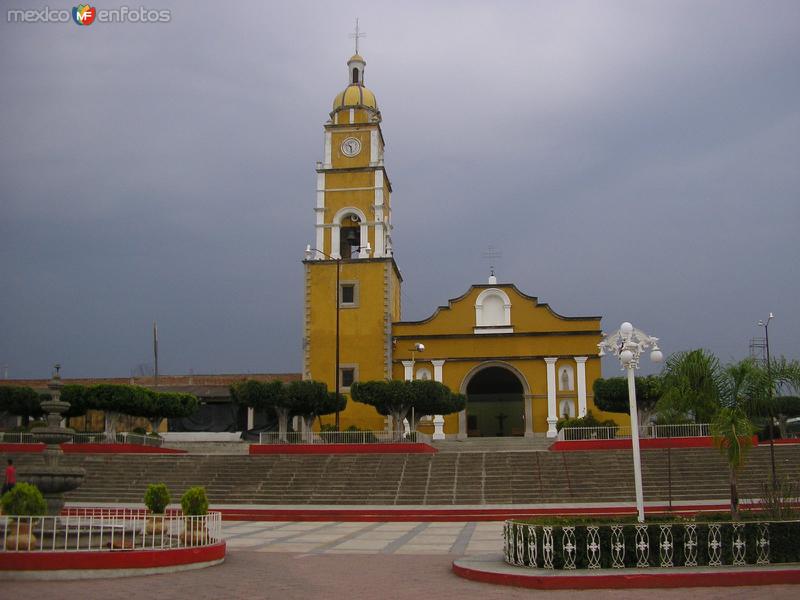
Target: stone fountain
{"x": 51, "y": 478}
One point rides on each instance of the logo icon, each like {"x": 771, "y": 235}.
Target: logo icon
{"x": 83, "y": 14}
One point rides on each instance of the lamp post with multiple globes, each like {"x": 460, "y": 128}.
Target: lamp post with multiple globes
{"x": 627, "y": 344}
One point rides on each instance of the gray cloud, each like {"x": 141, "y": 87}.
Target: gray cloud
{"x": 637, "y": 160}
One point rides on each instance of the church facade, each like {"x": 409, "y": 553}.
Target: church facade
{"x": 521, "y": 365}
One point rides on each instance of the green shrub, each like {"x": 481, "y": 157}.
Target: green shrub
{"x": 24, "y": 499}
{"x": 590, "y": 421}
{"x": 194, "y": 501}
{"x": 156, "y": 498}
{"x": 139, "y": 431}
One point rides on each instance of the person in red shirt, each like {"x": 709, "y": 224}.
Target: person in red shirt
{"x": 11, "y": 476}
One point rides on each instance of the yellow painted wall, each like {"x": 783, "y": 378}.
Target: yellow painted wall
{"x": 363, "y": 337}
{"x": 538, "y": 333}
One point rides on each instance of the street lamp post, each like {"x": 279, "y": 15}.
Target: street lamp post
{"x": 765, "y": 325}
{"x": 627, "y": 344}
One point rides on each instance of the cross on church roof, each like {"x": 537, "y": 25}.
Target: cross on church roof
{"x": 357, "y": 34}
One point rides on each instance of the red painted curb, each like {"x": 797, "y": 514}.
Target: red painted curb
{"x": 445, "y": 514}
{"x": 92, "y": 448}
{"x": 415, "y": 448}
{"x": 116, "y": 559}
{"x": 645, "y": 444}
{"x": 640, "y": 580}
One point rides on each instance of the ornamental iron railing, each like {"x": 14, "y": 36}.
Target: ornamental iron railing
{"x": 24, "y": 437}
{"x": 623, "y": 432}
{"x": 342, "y": 437}
{"x": 637, "y": 545}
{"x": 98, "y": 531}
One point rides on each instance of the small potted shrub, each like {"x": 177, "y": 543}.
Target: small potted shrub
{"x": 194, "y": 503}
{"x": 23, "y": 500}
{"x": 156, "y": 499}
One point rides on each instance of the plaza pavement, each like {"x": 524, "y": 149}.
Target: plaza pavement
{"x": 348, "y": 560}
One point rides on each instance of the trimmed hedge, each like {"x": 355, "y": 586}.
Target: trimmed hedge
{"x": 784, "y": 542}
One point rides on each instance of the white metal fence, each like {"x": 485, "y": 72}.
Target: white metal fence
{"x": 22, "y": 437}
{"x": 342, "y": 437}
{"x": 98, "y": 531}
{"x": 623, "y": 432}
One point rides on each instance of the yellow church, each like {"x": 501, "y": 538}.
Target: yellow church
{"x": 521, "y": 365}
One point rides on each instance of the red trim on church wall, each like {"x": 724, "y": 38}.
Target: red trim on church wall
{"x": 645, "y": 444}
{"x": 342, "y": 449}
{"x": 92, "y": 449}
{"x": 117, "y": 559}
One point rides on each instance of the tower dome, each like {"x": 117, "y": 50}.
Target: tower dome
{"x": 356, "y": 94}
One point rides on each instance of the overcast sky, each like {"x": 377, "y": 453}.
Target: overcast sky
{"x": 635, "y": 160}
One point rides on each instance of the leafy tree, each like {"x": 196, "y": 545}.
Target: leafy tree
{"x": 732, "y": 432}
{"x": 311, "y": 399}
{"x": 433, "y": 398}
{"x": 389, "y": 398}
{"x": 611, "y": 395}
{"x": 21, "y": 401}
{"x": 694, "y": 386}
{"x": 169, "y": 405}
{"x": 266, "y": 396}
{"x": 118, "y": 399}
{"x": 395, "y": 398}
{"x": 78, "y": 398}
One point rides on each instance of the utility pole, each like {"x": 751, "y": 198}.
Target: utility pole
{"x": 155, "y": 352}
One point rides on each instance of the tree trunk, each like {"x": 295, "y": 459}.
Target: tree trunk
{"x": 308, "y": 430}
{"x": 155, "y": 423}
{"x": 734, "y": 495}
{"x": 110, "y": 418}
{"x": 283, "y": 420}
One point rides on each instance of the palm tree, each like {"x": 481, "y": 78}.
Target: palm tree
{"x": 733, "y": 432}
{"x": 694, "y": 386}
{"x": 755, "y": 387}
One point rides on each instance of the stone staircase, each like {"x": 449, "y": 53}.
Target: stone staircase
{"x": 471, "y": 477}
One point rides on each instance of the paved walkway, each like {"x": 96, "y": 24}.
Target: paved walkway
{"x": 366, "y": 538}
{"x": 332, "y": 560}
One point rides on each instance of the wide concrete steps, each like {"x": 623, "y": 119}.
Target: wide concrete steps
{"x": 446, "y": 478}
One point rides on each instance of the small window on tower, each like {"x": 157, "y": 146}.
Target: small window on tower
{"x": 348, "y": 294}
{"x": 355, "y": 75}
{"x": 346, "y": 377}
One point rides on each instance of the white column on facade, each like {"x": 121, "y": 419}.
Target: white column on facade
{"x": 438, "y": 420}
{"x": 335, "y": 241}
{"x": 327, "y": 161}
{"x": 581, "y": 361}
{"x": 552, "y": 416}
{"x": 380, "y": 246}
{"x": 437, "y": 370}
{"x": 251, "y": 417}
{"x": 373, "y": 147}
{"x": 364, "y": 250}
{"x": 319, "y": 209}
{"x": 408, "y": 370}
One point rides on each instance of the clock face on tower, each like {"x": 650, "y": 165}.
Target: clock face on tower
{"x": 351, "y": 147}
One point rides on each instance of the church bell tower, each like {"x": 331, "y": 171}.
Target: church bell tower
{"x": 352, "y": 284}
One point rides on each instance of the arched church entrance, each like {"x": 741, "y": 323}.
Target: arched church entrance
{"x": 495, "y": 403}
